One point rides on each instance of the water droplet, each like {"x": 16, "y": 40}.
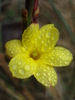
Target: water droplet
{"x": 13, "y": 59}
{"x": 53, "y": 84}
{"x": 20, "y": 63}
{"x": 53, "y": 38}
{"x": 23, "y": 49}
{"x": 48, "y": 68}
{"x": 58, "y": 59}
{"x": 11, "y": 52}
{"x": 46, "y": 44}
{"x": 52, "y": 74}
{"x": 14, "y": 73}
{"x": 67, "y": 54}
{"x": 46, "y": 84}
{"x": 27, "y": 67}
{"x": 17, "y": 44}
{"x": 44, "y": 49}
{"x": 43, "y": 77}
{"x": 38, "y": 74}
{"x": 50, "y": 47}
{"x": 14, "y": 66}
{"x": 52, "y": 63}
{"x": 49, "y": 74}
{"x": 54, "y": 80}
{"x": 48, "y": 35}
{"x": 21, "y": 71}
{"x": 44, "y": 70}
{"x": 43, "y": 82}
{"x": 66, "y": 62}
{"x": 55, "y": 77}
{"x": 50, "y": 79}
{"x": 44, "y": 74}
{"x": 40, "y": 37}
{"x": 52, "y": 57}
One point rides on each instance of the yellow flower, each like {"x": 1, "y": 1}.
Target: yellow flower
{"x": 36, "y": 54}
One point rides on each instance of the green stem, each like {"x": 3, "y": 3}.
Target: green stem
{"x": 29, "y": 7}
{"x": 29, "y": 13}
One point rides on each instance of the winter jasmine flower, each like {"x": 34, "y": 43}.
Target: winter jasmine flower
{"x": 36, "y": 54}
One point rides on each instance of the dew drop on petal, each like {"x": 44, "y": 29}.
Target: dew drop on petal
{"x": 44, "y": 49}
{"x": 46, "y": 85}
{"x": 50, "y": 79}
{"x": 44, "y": 74}
{"x": 19, "y": 63}
{"x": 11, "y": 52}
{"x": 66, "y": 62}
{"x": 14, "y": 66}
{"x": 38, "y": 74}
{"x": 52, "y": 75}
{"x": 13, "y": 59}
{"x": 23, "y": 49}
{"x": 46, "y": 44}
{"x": 48, "y": 35}
{"x": 14, "y": 73}
{"x": 40, "y": 37}
{"x": 21, "y": 71}
{"x": 43, "y": 82}
{"x": 48, "y": 73}
{"x": 27, "y": 67}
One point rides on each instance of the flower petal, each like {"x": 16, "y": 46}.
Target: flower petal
{"x": 22, "y": 66}
{"x": 29, "y": 36}
{"x": 13, "y": 47}
{"x": 47, "y": 37}
{"x": 59, "y": 56}
{"x": 46, "y": 75}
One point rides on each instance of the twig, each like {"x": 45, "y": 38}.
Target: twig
{"x": 30, "y": 13}
{"x": 27, "y": 13}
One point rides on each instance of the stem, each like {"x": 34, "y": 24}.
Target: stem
{"x": 27, "y": 13}
{"x": 30, "y": 13}
{"x": 29, "y": 7}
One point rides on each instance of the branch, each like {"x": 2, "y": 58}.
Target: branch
{"x": 30, "y": 13}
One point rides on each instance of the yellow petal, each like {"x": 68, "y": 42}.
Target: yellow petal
{"x": 29, "y": 37}
{"x": 21, "y": 66}
{"x": 57, "y": 57}
{"x": 46, "y": 75}
{"x": 47, "y": 37}
{"x": 13, "y": 47}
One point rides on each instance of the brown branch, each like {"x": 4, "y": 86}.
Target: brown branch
{"x": 35, "y": 11}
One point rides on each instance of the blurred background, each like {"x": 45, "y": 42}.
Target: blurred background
{"x": 62, "y": 15}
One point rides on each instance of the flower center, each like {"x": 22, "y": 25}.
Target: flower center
{"x": 35, "y": 55}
